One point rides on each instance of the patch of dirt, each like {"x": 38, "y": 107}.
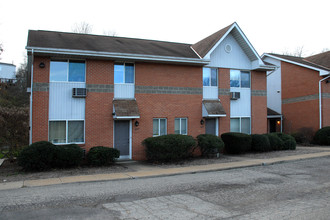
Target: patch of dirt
{"x": 10, "y": 172}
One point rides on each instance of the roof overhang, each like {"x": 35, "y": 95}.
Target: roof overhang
{"x": 125, "y": 109}
{"x": 212, "y": 109}
{"x": 321, "y": 71}
{"x": 125, "y": 56}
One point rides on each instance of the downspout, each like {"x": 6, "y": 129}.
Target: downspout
{"x": 31, "y": 99}
{"x": 320, "y": 99}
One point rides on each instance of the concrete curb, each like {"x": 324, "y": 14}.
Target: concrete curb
{"x": 159, "y": 172}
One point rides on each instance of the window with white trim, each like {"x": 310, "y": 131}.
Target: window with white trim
{"x": 240, "y": 124}
{"x": 240, "y": 79}
{"x": 124, "y": 73}
{"x": 159, "y": 126}
{"x": 210, "y": 76}
{"x": 67, "y": 131}
{"x": 180, "y": 126}
{"x": 67, "y": 71}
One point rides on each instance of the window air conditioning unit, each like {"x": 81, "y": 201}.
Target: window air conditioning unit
{"x": 235, "y": 95}
{"x": 79, "y": 92}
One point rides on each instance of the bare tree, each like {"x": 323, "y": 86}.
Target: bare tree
{"x": 112, "y": 33}
{"x": 1, "y": 49}
{"x": 82, "y": 27}
{"x": 298, "y": 52}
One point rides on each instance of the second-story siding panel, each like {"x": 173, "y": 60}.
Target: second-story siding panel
{"x": 61, "y": 103}
{"x": 210, "y": 92}
{"x": 124, "y": 91}
{"x": 242, "y": 106}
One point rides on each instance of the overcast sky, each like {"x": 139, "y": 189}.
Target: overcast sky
{"x": 271, "y": 26}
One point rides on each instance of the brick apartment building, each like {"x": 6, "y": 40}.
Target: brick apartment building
{"x": 298, "y": 91}
{"x": 113, "y": 91}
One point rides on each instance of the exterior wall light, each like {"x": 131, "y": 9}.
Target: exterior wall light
{"x": 42, "y": 65}
{"x": 202, "y": 122}
{"x": 278, "y": 122}
{"x": 136, "y": 123}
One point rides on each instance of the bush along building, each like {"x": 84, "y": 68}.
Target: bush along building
{"x": 298, "y": 92}
{"x": 115, "y": 92}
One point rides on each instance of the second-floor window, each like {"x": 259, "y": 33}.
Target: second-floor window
{"x": 124, "y": 73}
{"x": 240, "y": 79}
{"x": 67, "y": 71}
{"x": 210, "y": 77}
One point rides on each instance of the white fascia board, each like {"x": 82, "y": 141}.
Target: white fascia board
{"x": 322, "y": 72}
{"x": 119, "y": 55}
{"x": 274, "y": 116}
{"x": 216, "y": 116}
{"x": 125, "y": 117}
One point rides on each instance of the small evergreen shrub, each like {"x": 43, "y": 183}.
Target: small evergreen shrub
{"x": 304, "y": 135}
{"x": 237, "y": 143}
{"x": 210, "y": 144}
{"x": 170, "y": 147}
{"x": 38, "y": 156}
{"x": 260, "y": 143}
{"x": 289, "y": 142}
{"x": 322, "y": 136}
{"x": 68, "y": 156}
{"x": 276, "y": 143}
{"x": 101, "y": 156}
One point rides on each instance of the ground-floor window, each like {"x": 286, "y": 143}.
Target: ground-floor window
{"x": 180, "y": 126}
{"x": 159, "y": 126}
{"x": 240, "y": 124}
{"x": 67, "y": 131}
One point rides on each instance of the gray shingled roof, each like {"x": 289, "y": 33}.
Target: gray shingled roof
{"x": 204, "y": 46}
{"x": 99, "y": 43}
{"x": 214, "y": 107}
{"x": 322, "y": 59}
{"x": 300, "y": 60}
{"x": 126, "y": 108}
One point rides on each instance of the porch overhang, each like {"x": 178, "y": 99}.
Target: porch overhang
{"x": 212, "y": 109}
{"x": 125, "y": 109}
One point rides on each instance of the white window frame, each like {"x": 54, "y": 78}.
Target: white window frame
{"x": 180, "y": 125}
{"x": 240, "y": 122}
{"x": 67, "y": 70}
{"x": 240, "y": 79}
{"x": 67, "y": 130}
{"x": 124, "y": 64}
{"x": 159, "y": 126}
{"x": 210, "y": 76}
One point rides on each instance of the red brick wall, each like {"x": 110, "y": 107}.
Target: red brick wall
{"x": 169, "y": 106}
{"x": 40, "y": 101}
{"x": 98, "y": 110}
{"x": 224, "y": 83}
{"x": 258, "y": 103}
{"x": 298, "y": 81}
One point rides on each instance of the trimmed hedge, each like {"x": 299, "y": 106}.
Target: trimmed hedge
{"x": 170, "y": 147}
{"x": 322, "y": 136}
{"x": 101, "y": 156}
{"x": 289, "y": 143}
{"x": 38, "y": 156}
{"x": 276, "y": 143}
{"x": 237, "y": 143}
{"x": 260, "y": 143}
{"x": 210, "y": 144}
{"x": 68, "y": 156}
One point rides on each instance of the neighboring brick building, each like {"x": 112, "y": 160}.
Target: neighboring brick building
{"x": 299, "y": 92}
{"x": 112, "y": 91}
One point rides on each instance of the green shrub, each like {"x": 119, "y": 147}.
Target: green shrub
{"x": 322, "y": 136}
{"x": 276, "y": 143}
{"x": 209, "y": 144}
{"x": 303, "y": 135}
{"x": 237, "y": 143}
{"x": 68, "y": 156}
{"x": 38, "y": 156}
{"x": 170, "y": 147}
{"x": 100, "y": 156}
{"x": 260, "y": 143}
{"x": 289, "y": 142}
